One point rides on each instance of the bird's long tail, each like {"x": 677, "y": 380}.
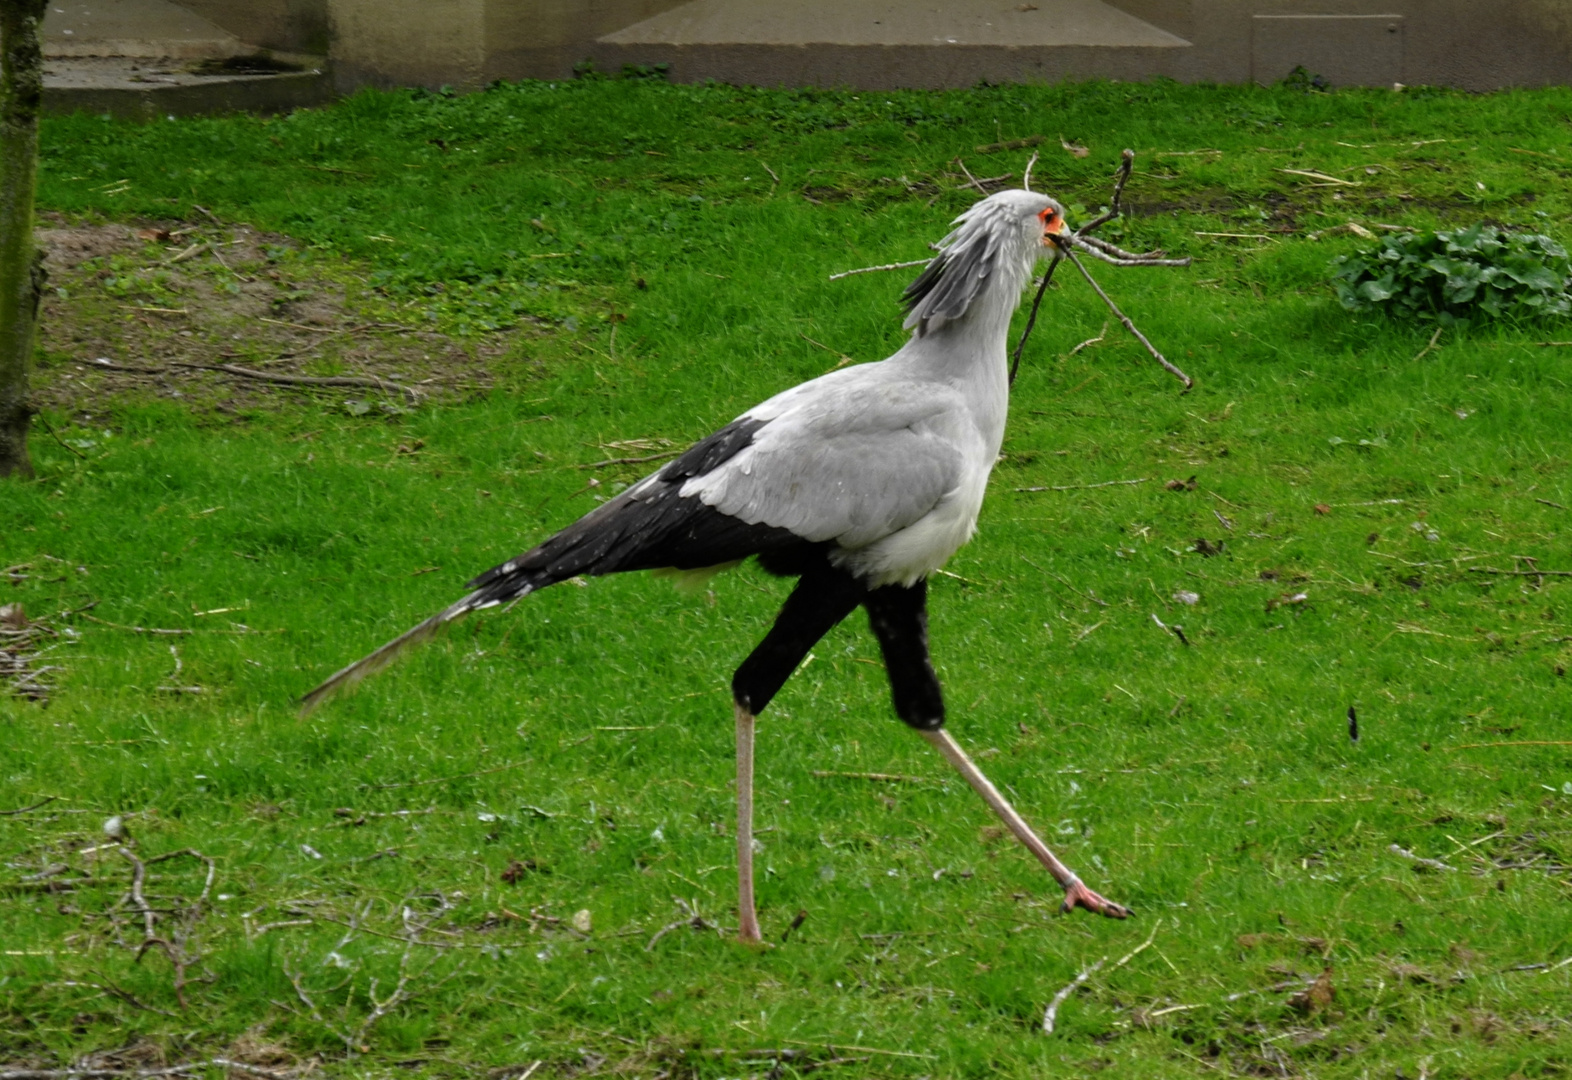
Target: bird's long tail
{"x": 375, "y": 662}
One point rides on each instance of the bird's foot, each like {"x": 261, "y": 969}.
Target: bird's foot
{"x": 1078, "y": 895}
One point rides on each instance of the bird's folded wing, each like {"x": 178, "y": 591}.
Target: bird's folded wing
{"x": 850, "y": 466}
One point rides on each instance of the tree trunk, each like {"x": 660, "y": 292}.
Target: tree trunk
{"x": 21, "y": 272}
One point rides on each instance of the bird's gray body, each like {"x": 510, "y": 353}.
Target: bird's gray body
{"x": 880, "y": 466}
{"x": 888, "y": 462}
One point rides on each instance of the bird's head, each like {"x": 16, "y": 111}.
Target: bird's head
{"x": 994, "y": 243}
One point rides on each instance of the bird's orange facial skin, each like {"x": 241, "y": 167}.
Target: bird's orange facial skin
{"x": 1053, "y": 224}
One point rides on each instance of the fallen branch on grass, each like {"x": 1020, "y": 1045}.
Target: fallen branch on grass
{"x": 1420, "y": 860}
{"x": 691, "y": 918}
{"x": 143, "y": 1074}
{"x": 174, "y": 945}
{"x": 1520, "y": 573}
{"x": 1089, "y": 342}
{"x": 45, "y": 801}
{"x": 875, "y": 269}
{"x": 261, "y": 376}
{"x": 21, "y": 649}
{"x": 1059, "y": 999}
{"x": 894, "y": 778}
{"x": 1087, "y": 487}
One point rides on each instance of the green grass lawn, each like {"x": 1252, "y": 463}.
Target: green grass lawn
{"x": 535, "y": 796}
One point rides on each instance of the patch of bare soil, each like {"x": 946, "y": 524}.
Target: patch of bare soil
{"x": 224, "y": 317}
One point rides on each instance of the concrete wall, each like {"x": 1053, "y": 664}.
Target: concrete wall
{"x": 295, "y": 26}
{"x": 546, "y": 38}
{"x": 467, "y": 43}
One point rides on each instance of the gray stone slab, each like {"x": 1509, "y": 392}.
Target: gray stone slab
{"x": 149, "y": 28}
{"x": 1034, "y": 24}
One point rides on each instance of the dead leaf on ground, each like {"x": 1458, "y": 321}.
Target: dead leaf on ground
{"x": 1317, "y": 997}
{"x": 1073, "y": 148}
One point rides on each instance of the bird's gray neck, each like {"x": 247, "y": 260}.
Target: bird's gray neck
{"x": 971, "y": 352}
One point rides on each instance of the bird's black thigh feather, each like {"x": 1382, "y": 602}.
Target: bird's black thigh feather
{"x": 899, "y": 617}
{"x": 823, "y": 597}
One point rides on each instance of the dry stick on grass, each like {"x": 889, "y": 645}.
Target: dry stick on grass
{"x": 141, "y": 1074}
{"x": 173, "y": 947}
{"x": 1089, "y": 342}
{"x": 45, "y": 801}
{"x": 306, "y": 380}
{"x": 894, "y": 778}
{"x": 1062, "y": 995}
{"x": 1012, "y": 144}
{"x": 1434, "y": 338}
{"x": 1533, "y": 742}
{"x": 132, "y": 629}
{"x": 876, "y": 269}
{"x": 1052, "y": 1014}
{"x": 1086, "y": 487}
{"x": 693, "y": 919}
{"x": 1420, "y": 860}
{"x": 971, "y": 181}
{"x": 55, "y": 435}
{"x": 662, "y": 456}
{"x": 262, "y": 376}
{"x": 1521, "y": 573}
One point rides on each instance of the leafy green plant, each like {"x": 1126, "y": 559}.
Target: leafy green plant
{"x": 1453, "y": 276}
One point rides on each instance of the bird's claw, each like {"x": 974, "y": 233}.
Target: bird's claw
{"x": 1078, "y": 895}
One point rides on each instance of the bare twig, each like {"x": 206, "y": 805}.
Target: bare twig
{"x": 1031, "y": 321}
{"x": 1026, "y": 175}
{"x": 306, "y": 380}
{"x": 1534, "y": 742}
{"x": 1420, "y": 860}
{"x": 1089, "y": 341}
{"x": 132, "y": 629}
{"x": 1133, "y": 260}
{"x": 691, "y": 918}
{"x": 1519, "y": 573}
{"x": 1434, "y": 338}
{"x": 1012, "y": 144}
{"x": 1059, "y": 999}
{"x": 894, "y": 778}
{"x": 1189, "y": 383}
{"x": 55, "y": 435}
{"x": 45, "y": 801}
{"x": 1148, "y": 257}
{"x": 1176, "y": 630}
{"x": 875, "y": 269}
{"x": 1126, "y": 163}
{"x": 1084, "y": 487}
{"x": 280, "y": 379}
{"x": 107, "y": 987}
{"x": 971, "y": 181}
{"x": 1323, "y": 177}
{"x": 632, "y": 460}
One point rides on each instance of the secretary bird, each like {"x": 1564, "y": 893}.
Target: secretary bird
{"x": 859, "y": 483}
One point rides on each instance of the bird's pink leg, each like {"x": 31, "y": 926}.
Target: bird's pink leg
{"x": 747, "y": 920}
{"x": 1075, "y": 893}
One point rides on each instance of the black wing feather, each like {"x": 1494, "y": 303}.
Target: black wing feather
{"x": 649, "y": 526}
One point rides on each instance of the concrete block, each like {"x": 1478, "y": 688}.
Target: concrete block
{"x": 1348, "y": 50}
